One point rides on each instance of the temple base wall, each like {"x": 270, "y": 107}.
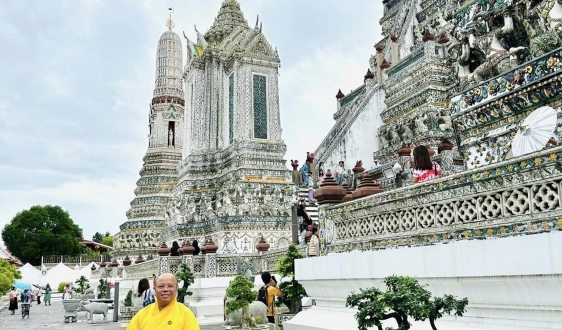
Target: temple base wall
{"x": 511, "y": 283}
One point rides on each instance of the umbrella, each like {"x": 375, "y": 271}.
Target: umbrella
{"x": 37, "y": 286}
{"x": 534, "y": 132}
{"x": 21, "y": 286}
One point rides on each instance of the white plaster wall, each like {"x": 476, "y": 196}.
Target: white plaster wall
{"x": 361, "y": 140}
{"x": 408, "y": 43}
{"x": 511, "y": 283}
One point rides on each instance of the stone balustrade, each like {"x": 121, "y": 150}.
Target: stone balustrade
{"x": 518, "y": 196}
{"x": 202, "y": 266}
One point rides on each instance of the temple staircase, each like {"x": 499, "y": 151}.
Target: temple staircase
{"x": 311, "y": 208}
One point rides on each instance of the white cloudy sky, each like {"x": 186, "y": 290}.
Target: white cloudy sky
{"x": 76, "y": 78}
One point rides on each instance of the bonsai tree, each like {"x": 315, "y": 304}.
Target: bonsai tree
{"x": 128, "y": 302}
{"x": 185, "y": 275}
{"x": 102, "y": 288}
{"x": 82, "y": 284}
{"x": 292, "y": 289}
{"x": 447, "y": 304}
{"x": 241, "y": 290}
{"x": 404, "y": 298}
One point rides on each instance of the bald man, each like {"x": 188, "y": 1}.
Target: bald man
{"x": 166, "y": 313}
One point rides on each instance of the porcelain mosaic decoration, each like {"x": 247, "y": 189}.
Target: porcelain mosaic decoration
{"x": 214, "y": 165}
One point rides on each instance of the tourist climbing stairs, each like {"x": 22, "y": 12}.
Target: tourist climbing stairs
{"x": 311, "y": 208}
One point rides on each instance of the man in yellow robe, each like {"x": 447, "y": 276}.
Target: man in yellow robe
{"x": 166, "y": 313}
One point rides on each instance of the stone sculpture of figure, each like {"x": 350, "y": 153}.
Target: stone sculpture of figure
{"x": 170, "y": 138}
{"x": 294, "y": 164}
{"x": 394, "y": 137}
{"x": 421, "y": 126}
{"x": 406, "y": 132}
{"x": 551, "y": 39}
{"x": 383, "y": 142}
{"x": 445, "y": 123}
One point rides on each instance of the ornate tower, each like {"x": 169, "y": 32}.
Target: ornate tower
{"x": 140, "y": 234}
{"x": 233, "y": 185}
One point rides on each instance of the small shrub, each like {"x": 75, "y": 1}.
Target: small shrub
{"x": 128, "y": 302}
{"x": 102, "y": 288}
{"x": 61, "y": 286}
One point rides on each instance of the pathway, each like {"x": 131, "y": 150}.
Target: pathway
{"x": 52, "y": 317}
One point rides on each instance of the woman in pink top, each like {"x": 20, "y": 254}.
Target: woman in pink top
{"x": 424, "y": 169}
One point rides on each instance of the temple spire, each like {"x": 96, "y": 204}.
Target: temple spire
{"x": 170, "y": 22}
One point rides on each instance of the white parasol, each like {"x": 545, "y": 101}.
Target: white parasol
{"x": 534, "y": 132}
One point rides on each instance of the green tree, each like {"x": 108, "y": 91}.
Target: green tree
{"x": 82, "y": 284}
{"x": 97, "y": 237}
{"x": 42, "y": 230}
{"x": 107, "y": 240}
{"x": 185, "y": 275}
{"x": 293, "y": 290}
{"x": 102, "y": 288}
{"x": 8, "y": 274}
{"x": 241, "y": 290}
{"x": 404, "y": 298}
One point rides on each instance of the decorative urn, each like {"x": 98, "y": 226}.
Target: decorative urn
{"x": 431, "y": 151}
{"x": 139, "y": 260}
{"x": 404, "y": 151}
{"x": 445, "y": 145}
{"x": 329, "y": 192}
{"x": 93, "y": 267}
{"x": 211, "y": 247}
{"x": 164, "y": 250}
{"x": 348, "y": 193}
{"x": 262, "y": 245}
{"x": 366, "y": 187}
{"x": 127, "y": 261}
{"x": 187, "y": 248}
{"x": 103, "y": 264}
{"x": 150, "y": 257}
{"x": 114, "y": 263}
{"x": 358, "y": 167}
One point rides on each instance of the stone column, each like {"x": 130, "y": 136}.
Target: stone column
{"x": 394, "y": 56}
{"x": 162, "y": 265}
{"x": 380, "y": 59}
{"x": 295, "y": 224}
{"x": 210, "y": 265}
{"x": 404, "y": 159}
{"x": 446, "y": 154}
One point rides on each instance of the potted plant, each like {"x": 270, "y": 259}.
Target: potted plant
{"x": 185, "y": 275}
{"x": 242, "y": 294}
{"x": 404, "y": 298}
{"x": 127, "y": 308}
{"x": 293, "y": 290}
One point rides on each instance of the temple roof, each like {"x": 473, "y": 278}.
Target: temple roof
{"x": 229, "y": 18}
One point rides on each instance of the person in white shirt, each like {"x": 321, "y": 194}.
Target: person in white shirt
{"x": 340, "y": 170}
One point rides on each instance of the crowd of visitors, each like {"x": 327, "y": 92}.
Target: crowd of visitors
{"x": 26, "y": 298}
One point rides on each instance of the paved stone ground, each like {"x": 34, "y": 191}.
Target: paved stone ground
{"x": 52, "y": 317}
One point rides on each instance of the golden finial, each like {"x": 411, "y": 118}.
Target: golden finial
{"x": 170, "y": 23}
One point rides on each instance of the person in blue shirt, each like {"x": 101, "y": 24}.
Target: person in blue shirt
{"x": 304, "y": 174}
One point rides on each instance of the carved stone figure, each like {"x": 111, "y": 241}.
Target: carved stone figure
{"x": 170, "y": 138}
{"x": 421, "y": 126}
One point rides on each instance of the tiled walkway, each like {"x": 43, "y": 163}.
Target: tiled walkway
{"x": 52, "y": 317}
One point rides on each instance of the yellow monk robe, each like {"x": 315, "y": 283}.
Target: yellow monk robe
{"x": 175, "y": 316}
